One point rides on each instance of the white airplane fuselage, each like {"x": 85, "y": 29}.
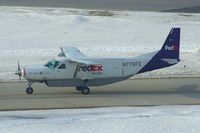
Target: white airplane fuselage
{"x": 109, "y": 68}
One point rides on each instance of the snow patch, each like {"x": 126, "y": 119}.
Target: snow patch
{"x": 159, "y": 119}
{"x": 34, "y": 36}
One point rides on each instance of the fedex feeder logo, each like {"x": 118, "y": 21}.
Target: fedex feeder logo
{"x": 95, "y": 69}
{"x": 170, "y": 48}
{"x": 92, "y": 68}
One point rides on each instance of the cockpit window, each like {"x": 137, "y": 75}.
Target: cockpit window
{"x": 62, "y": 66}
{"x": 52, "y": 64}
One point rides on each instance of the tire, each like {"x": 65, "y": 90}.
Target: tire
{"x": 85, "y": 90}
{"x": 29, "y": 90}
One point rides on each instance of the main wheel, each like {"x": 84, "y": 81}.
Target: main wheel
{"x": 85, "y": 90}
{"x": 29, "y": 90}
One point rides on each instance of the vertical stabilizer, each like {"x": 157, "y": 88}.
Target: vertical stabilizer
{"x": 168, "y": 55}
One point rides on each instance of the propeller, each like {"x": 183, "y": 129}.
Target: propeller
{"x": 18, "y": 72}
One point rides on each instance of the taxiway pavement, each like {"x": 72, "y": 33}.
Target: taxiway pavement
{"x": 134, "y": 92}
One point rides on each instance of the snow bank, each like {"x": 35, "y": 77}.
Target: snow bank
{"x": 34, "y": 35}
{"x": 161, "y": 119}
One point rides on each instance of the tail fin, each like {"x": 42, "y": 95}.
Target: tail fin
{"x": 168, "y": 55}
{"x": 171, "y": 47}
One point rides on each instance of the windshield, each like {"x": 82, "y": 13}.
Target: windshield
{"x": 52, "y": 64}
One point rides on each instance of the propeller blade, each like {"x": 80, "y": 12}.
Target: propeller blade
{"x": 18, "y": 72}
{"x": 19, "y": 66}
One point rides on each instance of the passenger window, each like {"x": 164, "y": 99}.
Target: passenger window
{"x": 62, "y": 66}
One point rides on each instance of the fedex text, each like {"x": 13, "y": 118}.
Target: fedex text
{"x": 170, "y": 48}
{"x": 91, "y": 68}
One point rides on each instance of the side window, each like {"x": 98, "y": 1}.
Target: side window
{"x": 62, "y": 66}
{"x": 52, "y": 64}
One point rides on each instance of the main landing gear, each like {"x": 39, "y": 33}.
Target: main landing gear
{"x": 29, "y": 89}
{"x": 84, "y": 90}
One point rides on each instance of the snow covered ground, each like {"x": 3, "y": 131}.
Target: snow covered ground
{"x": 34, "y": 35}
{"x": 159, "y": 119}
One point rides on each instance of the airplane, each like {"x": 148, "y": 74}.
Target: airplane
{"x": 71, "y": 68}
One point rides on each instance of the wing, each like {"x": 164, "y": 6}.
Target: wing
{"x": 71, "y": 52}
{"x": 75, "y": 56}
{"x": 82, "y": 61}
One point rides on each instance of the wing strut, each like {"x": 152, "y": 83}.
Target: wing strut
{"x": 76, "y": 71}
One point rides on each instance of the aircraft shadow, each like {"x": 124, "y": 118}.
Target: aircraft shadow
{"x": 192, "y": 90}
{"x": 189, "y": 91}
{"x": 186, "y": 90}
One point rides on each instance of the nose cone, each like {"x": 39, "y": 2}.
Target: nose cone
{"x": 33, "y": 72}
{"x": 20, "y": 72}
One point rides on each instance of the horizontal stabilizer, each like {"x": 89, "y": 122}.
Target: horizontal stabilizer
{"x": 170, "y": 61}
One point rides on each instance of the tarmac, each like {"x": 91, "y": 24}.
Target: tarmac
{"x": 133, "y": 92}
{"x": 191, "y": 6}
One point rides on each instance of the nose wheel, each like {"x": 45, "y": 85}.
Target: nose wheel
{"x": 29, "y": 89}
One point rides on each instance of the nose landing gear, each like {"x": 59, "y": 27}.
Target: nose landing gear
{"x": 29, "y": 89}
